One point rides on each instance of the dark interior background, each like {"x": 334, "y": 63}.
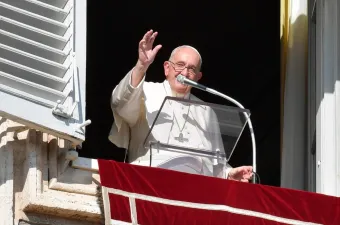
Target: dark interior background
{"x": 239, "y": 42}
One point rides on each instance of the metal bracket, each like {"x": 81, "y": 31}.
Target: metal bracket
{"x": 67, "y": 111}
{"x": 64, "y": 111}
{"x": 80, "y": 127}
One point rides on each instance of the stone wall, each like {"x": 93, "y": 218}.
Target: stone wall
{"x": 39, "y": 182}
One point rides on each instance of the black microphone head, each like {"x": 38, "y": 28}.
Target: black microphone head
{"x": 180, "y": 78}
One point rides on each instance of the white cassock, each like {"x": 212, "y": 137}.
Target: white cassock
{"x": 181, "y": 124}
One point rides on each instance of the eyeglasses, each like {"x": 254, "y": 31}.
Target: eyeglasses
{"x": 179, "y": 67}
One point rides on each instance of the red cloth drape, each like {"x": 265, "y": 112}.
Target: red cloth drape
{"x": 284, "y": 204}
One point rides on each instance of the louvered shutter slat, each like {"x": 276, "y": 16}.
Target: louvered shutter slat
{"x": 39, "y": 68}
{"x": 33, "y": 33}
{"x": 33, "y": 47}
{"x": 33, "y": 88}
{"x": 56, "y": 3}
{"x": 40, "y": 8}
{"x": 33, "y": 19}
{"x": 34, "y": 75}
{"x": 31, "y": 60}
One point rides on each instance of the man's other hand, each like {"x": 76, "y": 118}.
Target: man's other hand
{"x": 242, "y": 173}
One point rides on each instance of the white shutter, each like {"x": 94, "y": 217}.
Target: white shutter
{"x": 43, "y": 63}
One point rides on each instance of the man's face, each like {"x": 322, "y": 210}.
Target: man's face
{"x": 186, "y": 62}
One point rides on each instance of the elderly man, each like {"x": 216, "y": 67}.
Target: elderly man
{"x": 135, "y": 101}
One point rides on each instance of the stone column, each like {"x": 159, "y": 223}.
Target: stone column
{"x": 6, "y": 173}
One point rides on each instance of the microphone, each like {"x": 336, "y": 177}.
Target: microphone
{"x": 183, "y": 80}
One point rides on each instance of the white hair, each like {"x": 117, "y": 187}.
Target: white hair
{"x": 187, "y": 46}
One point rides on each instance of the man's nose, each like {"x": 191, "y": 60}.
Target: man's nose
{"x": 185, "y": 72}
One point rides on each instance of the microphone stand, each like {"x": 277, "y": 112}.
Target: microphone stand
{"x": 182, "y": 79}
{"x": 212, "y": 91}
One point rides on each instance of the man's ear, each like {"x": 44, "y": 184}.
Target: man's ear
{"x": 166, "y": 68}
{"x": 199, "y": 76}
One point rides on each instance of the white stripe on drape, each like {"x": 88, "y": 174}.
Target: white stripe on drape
{"x": 214, "y": 207}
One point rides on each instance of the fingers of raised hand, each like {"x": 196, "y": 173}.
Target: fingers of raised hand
{"x": 152, "y": 38}
{"x": 147, "y": 35}
{"x": 142, "y": 43}
{"x": 149, "y": 38}
{"x": 156, "y": 49}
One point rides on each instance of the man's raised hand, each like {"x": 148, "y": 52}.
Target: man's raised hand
{"x": 146, "y": 55}
{"x": 146, "y": 52}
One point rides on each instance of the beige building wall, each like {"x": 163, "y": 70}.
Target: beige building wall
{"x": 39, "y": 184}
